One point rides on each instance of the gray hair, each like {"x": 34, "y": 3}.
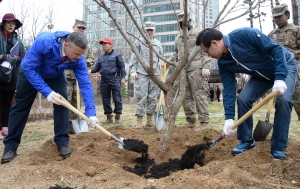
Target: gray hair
{"x": 78, "y": 39}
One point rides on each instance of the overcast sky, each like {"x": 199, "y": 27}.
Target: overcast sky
{"x": 68, "y": 10}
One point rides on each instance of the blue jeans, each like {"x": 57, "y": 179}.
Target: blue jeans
{"x": 255, "y": 89}
{"x": 19, "y": 113}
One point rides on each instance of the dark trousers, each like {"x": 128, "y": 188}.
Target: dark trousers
{"x": 113, "y": 88}
{"x": 218, "y": 96}
{"x": 19, "y": 113}
{"x": 211, "y": 98}
{"x": 7, "y": 96}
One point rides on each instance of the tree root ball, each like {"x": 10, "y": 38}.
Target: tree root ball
{"x": 91, "y": 171}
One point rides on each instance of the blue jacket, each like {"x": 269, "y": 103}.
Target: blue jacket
{"x": 253, "y": 53}
{"x": 111, "y": 66}
{"x": 43, "y": 61}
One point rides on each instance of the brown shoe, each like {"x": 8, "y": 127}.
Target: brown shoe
{"x": 109, "y": 119}
{"x": 118, "y": 118}
{"x": 64, "y": 151}
{"x": 8, "y": 156}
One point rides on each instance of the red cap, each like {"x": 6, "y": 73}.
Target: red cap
{"x": 106, "y": 40}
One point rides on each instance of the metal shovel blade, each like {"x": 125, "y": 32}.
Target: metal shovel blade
{"x": 262, "y": 130}
{"x": 159, "y": 119}
{"x": 80, "y": 126}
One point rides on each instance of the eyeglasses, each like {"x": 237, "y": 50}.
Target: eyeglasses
{"x": 206, "y": 51}
{"x": 150, "y": 30}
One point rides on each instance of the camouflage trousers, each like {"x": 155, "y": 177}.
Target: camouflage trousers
{"x": 146, "y": 92}
{"x": 296, "y": 95}
{"x": 195, "y": 95}
{"x": 72, "y": 95}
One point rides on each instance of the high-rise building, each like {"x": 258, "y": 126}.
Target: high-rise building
{"x": 162, "y": 12}
{"x": 298, "y": 4}
{"x": 211, "y": 13}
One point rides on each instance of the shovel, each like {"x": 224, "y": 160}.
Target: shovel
{"x": 263, "y": 127}
{"x": 159, "y": 114}
{"x": 78, "y": 124}
{"x": 127, "y": 144}
{"x": 62, "y": 101}
{"x": 191, "y": 155}
{"x": 247, "y": 115}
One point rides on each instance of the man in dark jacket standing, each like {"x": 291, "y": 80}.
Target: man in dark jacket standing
{"x": 247, "y": 50}
{"x": 42, "y": 70}
{"x": 112, "y": 70}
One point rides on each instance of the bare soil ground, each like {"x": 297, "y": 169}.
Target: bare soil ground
{"x": 97, "y": 162}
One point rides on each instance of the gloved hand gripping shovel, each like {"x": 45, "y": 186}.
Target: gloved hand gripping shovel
{"x": 263, "y": 127}
{"x": 191, "y": 155}
{"x": 127, "y": 144}
{"x": 78, "y": 124}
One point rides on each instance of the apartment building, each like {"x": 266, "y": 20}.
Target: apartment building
{"x": 163, "y": 12}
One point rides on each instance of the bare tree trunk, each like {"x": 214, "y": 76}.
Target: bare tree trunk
{"x": 251, "y": 13}
{"x": 259, "y": 20}
{"x": 274, "y": 25}
{"x": 295, "y": 12}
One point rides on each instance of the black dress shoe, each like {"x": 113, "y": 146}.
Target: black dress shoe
{"x": 64, "y": 151}
{"x": 8, "y": 156}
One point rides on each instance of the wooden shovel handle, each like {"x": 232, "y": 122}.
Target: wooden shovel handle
{"x": 78, "y": 95}
{"x": 270, "y": 105}
{"x": 254, "y": 109}
{"x": 62, "y": 101}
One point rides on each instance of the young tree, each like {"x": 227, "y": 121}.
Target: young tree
{"x": 171, "y": 109}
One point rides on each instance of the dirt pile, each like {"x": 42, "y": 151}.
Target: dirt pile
{"x": 94, "y": 152}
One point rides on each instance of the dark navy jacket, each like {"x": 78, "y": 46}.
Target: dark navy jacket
{"x": 253, "y": 53}
{"x": 111, "y": 66}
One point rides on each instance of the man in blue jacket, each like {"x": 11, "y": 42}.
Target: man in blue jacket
{"x": 247, "y": 50}
{"x": 112, "y": 71}
{"x": 42, "y": 70}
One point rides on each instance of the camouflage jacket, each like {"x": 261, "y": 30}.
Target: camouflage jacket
{"x": 202, "y": 60}
{"x": 136, "y": 67}
{"x": 288, "y": 37}
{"x": 90, "y": 61}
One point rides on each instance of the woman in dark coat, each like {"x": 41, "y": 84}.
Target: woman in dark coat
{"x": 9, "y": 40}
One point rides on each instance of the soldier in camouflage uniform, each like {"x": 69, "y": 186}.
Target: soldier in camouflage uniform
{"x": 146, "y": 90}
{"x": 79, "y": 26}
{"x": 288, "y": 35}
{"x": 197, "y": 74}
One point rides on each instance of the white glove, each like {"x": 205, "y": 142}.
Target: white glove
{"x": 228, "y": 123}
{"x": 94, "y": 120}
{"x": 134, "y": 75}
{"x": 49, "y": 97}
{"x": 279, "y": 84}
{"x": 205, "y": 73}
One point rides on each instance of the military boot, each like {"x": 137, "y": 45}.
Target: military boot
{"x": 150, "y": 120}
{"x": 139, "y": 122}
{"x": 191, "y": 122}
{"x": 117, "y": 118}
{"x": 109, "y": 119}
{"x": 203, "y": 125}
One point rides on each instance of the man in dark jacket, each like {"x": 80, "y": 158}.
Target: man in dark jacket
{"x": 112, "y": 70}
{"x": 247, "y": 50}
{"x": 42, "y": 70}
